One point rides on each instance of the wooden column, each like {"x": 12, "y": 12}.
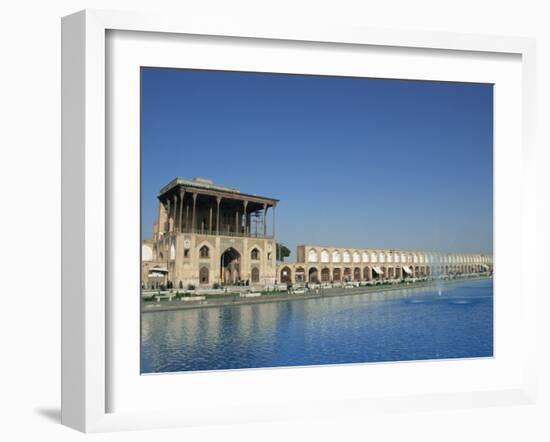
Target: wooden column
{"x": 168, "y": 215}
{"x": 218, "y": 201}
{"x": 175, "y": 209}
{"x": 245, "y": 204}
{"x": 193, "y": 213}
{"x": 160, "y": 221}
{"x": 210, "y": 223}
{"x": 237, "y": 222}
{"x": 265, "y": 219}
{"x": 187, "y": 217}
{"x": 180, "y": 218}
{"x": 274, "y": 221}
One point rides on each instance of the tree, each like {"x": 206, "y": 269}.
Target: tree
{"x": 282, "y": 252}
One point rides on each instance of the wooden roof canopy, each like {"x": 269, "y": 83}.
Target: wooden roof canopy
{"x": 204, "y": 186}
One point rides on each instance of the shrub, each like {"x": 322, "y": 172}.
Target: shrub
{"x": 216, "y": 285}
{"x": 190, "y": 287}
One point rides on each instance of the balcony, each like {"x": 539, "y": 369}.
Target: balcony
{"x": 222, "y": 232}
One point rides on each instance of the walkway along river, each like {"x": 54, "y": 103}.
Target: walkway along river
{"x": 162, "y": 303}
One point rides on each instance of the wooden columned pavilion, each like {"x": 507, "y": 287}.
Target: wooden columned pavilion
{"x": 202, "y": 207}
{"x": 207, "y": 234}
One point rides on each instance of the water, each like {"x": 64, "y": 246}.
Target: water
{"x": 407, "y": 324}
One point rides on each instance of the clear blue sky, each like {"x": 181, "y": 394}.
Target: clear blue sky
{"x": 355, "y": 162}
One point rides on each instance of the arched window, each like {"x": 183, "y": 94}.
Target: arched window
{"x": 325, "y": 256}
{"x": 312, "y": 256}
{"x": 347, "y": 256}
{"x": 146, "y": 253}
{"x": 336, "y": 256}
{"x": 255, "y": 254}
{"x": 204, "y": 251}
{"x": 255, "y": 274}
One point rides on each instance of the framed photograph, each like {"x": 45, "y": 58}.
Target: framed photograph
{"x": 263, "y": 222}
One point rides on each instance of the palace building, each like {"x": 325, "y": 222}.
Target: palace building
{"x": 207, "y": 234}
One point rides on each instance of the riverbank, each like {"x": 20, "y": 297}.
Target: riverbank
{"x": 234, "y": 299}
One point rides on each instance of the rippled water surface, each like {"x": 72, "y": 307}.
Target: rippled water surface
{"x": 400, "y": 325}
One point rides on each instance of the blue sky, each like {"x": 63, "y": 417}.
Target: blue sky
{"x": 356, "y": 162}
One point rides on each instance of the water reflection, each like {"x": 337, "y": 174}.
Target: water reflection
{"x": 396, "y": 325}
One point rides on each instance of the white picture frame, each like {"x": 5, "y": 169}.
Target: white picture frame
{"x": 85, "y": 213}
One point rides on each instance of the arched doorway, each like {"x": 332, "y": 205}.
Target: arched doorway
{"x": 336, "y": 275}
{"x": 398, "y": 273}
{"x": 230, "y": 266}
{"x": 204, "y": 276}
{"x": 378, "y": 272}
{"x": 255, "y": 274}
{"x": 366, "y": 274}
{"x": 286, "y": 275}
{"x": 313, "y": 275}
{"x": 325, "y": 275}
{"x": 347, "y": 274}
{"x": 357, "y": 274}
{"x": 300, "y": 274}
